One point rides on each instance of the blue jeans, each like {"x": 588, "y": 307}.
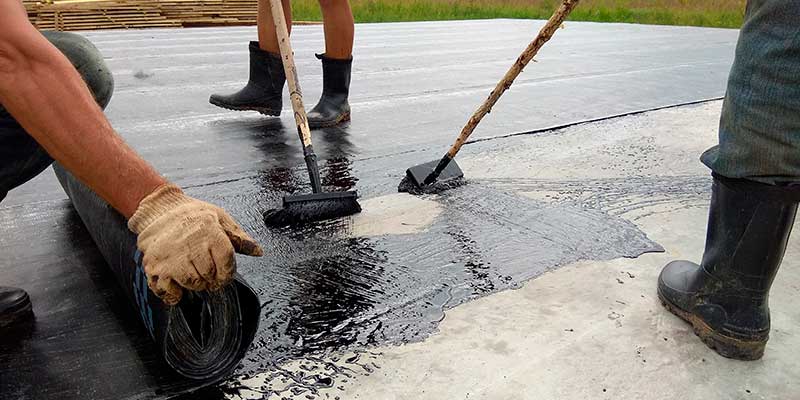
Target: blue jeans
{"x": 759, "y": 131}
{"x": 21, "y": 157}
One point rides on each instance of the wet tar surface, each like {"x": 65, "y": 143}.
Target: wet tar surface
{"x": 325, "y": 288}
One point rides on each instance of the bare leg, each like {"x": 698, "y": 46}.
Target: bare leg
{"x": 267, "y": 38}
{"x": 339, "y": 28}
{"x": 333, "y": 107}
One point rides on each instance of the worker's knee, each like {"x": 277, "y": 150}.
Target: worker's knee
{"x": 88, "y": 61}
{"x": 328, "y": 4}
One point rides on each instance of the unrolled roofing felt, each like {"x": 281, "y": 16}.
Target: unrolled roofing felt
{"x": 321, "y": 287}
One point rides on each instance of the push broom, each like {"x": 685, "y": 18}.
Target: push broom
{"x": 436, "y": 176}
{"x": 318, "y": 205}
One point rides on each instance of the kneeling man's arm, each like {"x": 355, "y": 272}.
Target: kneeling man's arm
{"x": 186, "y": 243}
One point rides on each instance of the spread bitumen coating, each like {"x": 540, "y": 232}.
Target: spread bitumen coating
{"x": 325, "y": 287}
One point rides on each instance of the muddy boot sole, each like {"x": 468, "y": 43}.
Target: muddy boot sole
{"x": 327, "y": 124}
{"x": 726, "y": 346}
{"x": 15, "y": 315}
{"x": 263, "y": 110}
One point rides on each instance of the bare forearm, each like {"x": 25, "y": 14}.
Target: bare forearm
{"x": 45, "y": 94}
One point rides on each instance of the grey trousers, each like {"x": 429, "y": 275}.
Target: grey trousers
{"x": 759, "y": 131}
{"x": 21, "y": 158}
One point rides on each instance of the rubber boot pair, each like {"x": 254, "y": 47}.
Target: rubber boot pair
{"x": 264, "y": 89}
{"x": 15, "y": 306}
{"x": 725, "y": 298}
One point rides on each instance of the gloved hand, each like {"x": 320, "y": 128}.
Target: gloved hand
{"x": 187, "y": 243}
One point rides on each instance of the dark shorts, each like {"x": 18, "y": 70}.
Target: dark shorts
{"x": 759, "y": 131}
{"x": 21, "y": 158}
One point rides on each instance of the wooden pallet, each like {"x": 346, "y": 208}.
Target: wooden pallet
{"x": 125, "y": 14}
{"x": 211, "y": 12}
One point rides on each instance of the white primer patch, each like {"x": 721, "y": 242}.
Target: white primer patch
{"x": 395, "y": 214}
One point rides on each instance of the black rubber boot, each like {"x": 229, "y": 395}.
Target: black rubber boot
{"x": 15, "y": 306}
{"x": 332, "y": 107}
{"x": 263, "y": 91}
{"x": 726, "y": 297}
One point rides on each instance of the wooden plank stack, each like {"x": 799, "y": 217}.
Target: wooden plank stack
{"x": 211, "y": 12}
{"x": 67, "y": 15}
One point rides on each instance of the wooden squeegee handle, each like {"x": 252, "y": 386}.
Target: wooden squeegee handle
{"x": 544, "y": 35}
{"x": 291, "y": 73}
{"x": 300, "y": 118}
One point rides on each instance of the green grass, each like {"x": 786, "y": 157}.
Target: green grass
{"x": 714, "y": 13}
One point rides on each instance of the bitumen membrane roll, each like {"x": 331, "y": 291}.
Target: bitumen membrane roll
{"x": 202, "y": 338}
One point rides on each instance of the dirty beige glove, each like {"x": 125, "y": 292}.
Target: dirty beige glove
{"x": 187, "y": 243}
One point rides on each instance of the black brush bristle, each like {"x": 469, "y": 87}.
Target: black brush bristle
{"x": 406, "y": 186}
{"x": 312, "y": 208}
{"x": 414, "y": 181}
{"x": 277, "y": 217}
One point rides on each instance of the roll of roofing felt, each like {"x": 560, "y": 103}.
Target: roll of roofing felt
{"x": 207, "y": 334}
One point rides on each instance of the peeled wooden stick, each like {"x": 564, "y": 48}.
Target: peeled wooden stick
{"x": 300, "y": 118}
{"x": 544, "y": 35}
{"x": 290, "y": 70}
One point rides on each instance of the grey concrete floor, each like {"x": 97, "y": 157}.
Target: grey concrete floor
{"x": 589, "y": 330}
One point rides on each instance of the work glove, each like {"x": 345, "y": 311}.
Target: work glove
{"x": 187, "y": 243}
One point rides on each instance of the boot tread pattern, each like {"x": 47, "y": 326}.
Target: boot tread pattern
{"x": 726, "y": 346}
{"x": 262, "y": 110}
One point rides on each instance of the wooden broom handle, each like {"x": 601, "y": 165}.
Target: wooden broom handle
{"x": 544, "y": 35}
{"x": 291, "y": 72}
